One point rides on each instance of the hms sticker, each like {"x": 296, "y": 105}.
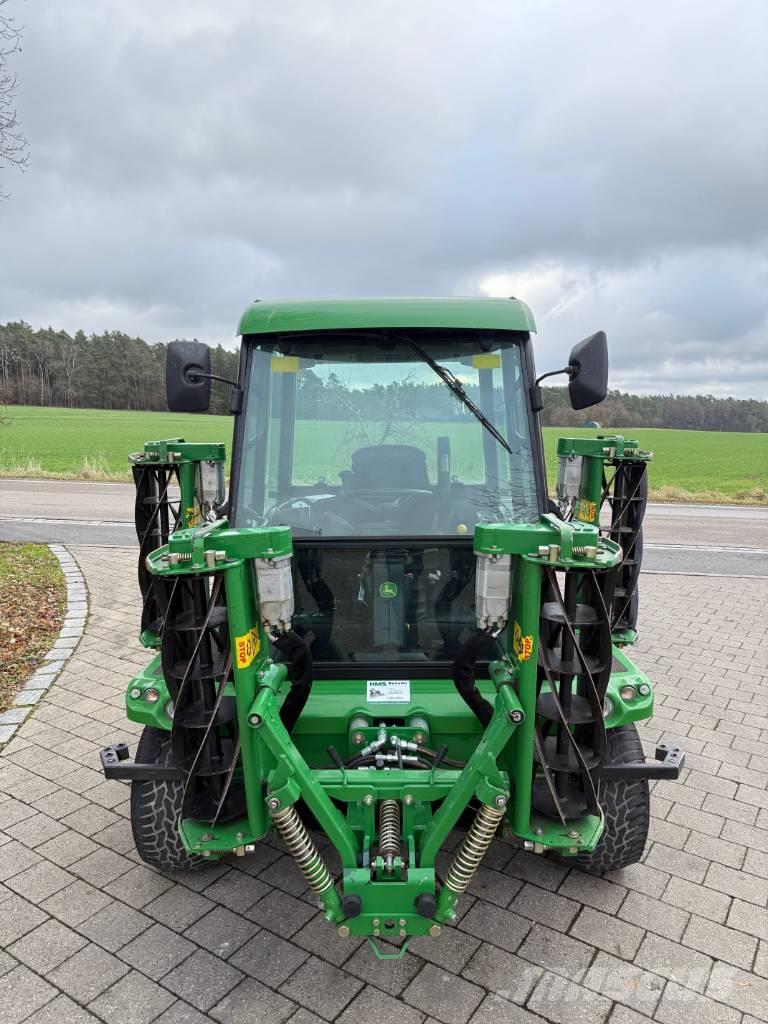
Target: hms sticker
{"x": 247, "y": 647}
{"x": 521, "y": 645}
{"x": 388, "y": 691}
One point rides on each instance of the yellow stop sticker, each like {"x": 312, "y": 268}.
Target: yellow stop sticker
{"x": 247, "y": 647}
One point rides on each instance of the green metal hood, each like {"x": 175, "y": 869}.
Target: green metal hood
{"x": 345, "y": 314}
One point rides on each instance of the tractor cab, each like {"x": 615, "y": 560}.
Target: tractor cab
{"x": 381, "y": 449}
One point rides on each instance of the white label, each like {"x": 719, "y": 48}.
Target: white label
{"x": 389, "y": 691}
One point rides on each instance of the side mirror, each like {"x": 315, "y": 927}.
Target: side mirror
{"x": 187, "y": 388}
{"x": 588, "y": 368}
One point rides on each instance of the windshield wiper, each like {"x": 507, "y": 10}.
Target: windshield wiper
{"x": 454, "y": 384}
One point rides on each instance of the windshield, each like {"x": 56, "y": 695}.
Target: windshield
{"x": 361, "y": 437}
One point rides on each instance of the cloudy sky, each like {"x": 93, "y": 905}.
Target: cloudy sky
{"x": 605, "y": 161}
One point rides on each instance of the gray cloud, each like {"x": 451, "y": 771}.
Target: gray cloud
{"x": 606, "y": 162}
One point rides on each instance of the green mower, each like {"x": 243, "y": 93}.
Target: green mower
{"x": 386, "y": 631}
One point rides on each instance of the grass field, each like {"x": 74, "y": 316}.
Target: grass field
{"x": 93, "y": 444}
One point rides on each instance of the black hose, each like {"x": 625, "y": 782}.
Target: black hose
{"x": 299, "y": 662}
{"x": 464, "y": 673}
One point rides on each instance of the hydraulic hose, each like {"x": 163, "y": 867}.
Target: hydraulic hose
{"x": 299, "y": 661}
{"x": 464, "y": 674}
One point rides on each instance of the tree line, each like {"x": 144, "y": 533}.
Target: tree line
{"x": 116, "y": 371}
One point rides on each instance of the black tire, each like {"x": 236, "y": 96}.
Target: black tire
{"x": 627, "y": 808}
{"x": 155, "y": 809}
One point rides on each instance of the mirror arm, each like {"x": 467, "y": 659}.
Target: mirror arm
{"x": 537, "y": 395}
{"x": 236, "y": 399}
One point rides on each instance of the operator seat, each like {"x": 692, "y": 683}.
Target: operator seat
{"x": 387, "y": 467}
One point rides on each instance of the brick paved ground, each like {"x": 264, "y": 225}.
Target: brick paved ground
{"x": 88, "y": 933}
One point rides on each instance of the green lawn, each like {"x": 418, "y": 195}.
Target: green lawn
{"x": 94, "y": 444}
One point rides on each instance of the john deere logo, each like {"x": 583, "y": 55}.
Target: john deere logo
{"x": 388, "y": 590}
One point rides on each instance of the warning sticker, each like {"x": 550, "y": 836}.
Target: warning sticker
{"x": 389, "y": 691}
{"x": 521, "y": 645}
{"x": 585, "y": 511}
{"x": 247, "y": 647}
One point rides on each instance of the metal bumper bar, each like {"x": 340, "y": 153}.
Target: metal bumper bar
{"x": 668, "y": 765}
{"x": 115, "y": 764}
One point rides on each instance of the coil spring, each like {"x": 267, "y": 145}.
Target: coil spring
{"x": 473, "y": 849}
{"x": 583, "y": 551}
{"x": 389, "y": 832}
{"x": 303, "y": 850}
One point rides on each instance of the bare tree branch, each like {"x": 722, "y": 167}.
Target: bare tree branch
{"x": 13, "y": 142}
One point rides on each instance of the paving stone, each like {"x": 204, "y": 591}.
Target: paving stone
{"x": 740, "y": 989}
{"x": 47, "y": 946}
{"x": 114, "y": 926}
{"x": 625, "y": 983}
{"x": 15, "y": 858}
{"x": 62, "y": 1010}
{"x": 7, "y": 963}
{"x": 35, "y": 830}
{"x": 372, "y": 1005}
{"x": 101, "y": 867}
{"x": 269, "y": 958}
{"x": 40, "y": 881}
{"x": 17, "y": 917}
{"x": 319, "y": 938}
{"x": 536, "y": 869}
{"x": 678, "y": 863}
{"x": 253, "y": 1003}
{"x": 21, "y": 993}
{"x": 157, "y": 951}
{"x": 138, "y": 886}
{"x": 556, "y": 952}
{"x": 88, "y": 973}
{"x": 721, "y": 943}
{"x": 594, "y": 891}
{"x": 675, "y": 962}
{"x": 134, "y": 999}
{"x": 737, "y": 883}
{"x": 495, "y": 1010}
{"x": 183, "y": 1013}
{"x": 178, "y": 908}
{"x": 321, "y": 987}
{"x": 679, "y": 1003}
{"x": 698, "y": 899}
{"x": 503, "y": 973}
{"x": 494, "y": 886}
{"x": 563, "y": 1002}
{"x": 222, "y": 932}
{"x": 501, "y": 927}
{"x": 281, "y": 913}
{"x": 444, "y": 996}
{"x": 76, "y": 903}
{"x": 202, "y": 980}
{"x": 236, "y": 890}
{"x": 452, "y": 950}
{"x": 607, "y": 933}
{"x": 67, "y": 848}
{"x": 545, "y": 907}
{"x": 654, "y": 915}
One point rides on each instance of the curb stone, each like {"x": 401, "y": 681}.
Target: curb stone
{"x": 62, "y": 649}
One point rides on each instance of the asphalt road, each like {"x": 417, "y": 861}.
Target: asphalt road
{"x": 720, "y": 540}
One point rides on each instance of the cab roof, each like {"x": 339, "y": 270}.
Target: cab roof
{"x": 364, "y": 314}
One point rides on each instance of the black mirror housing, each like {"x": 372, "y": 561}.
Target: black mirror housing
{"x": 588, "y": 367}
{"x": 185, "y": 391}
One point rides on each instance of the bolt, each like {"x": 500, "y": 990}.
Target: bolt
{"x": 343, "y": 931}
{"x": 434, "y": 930}
{"x": 239, "y": 835}
{"x": 573, "y": 834}
{"x": 206, "y": 837}
{"x": 255, "y": 721}
{"x": 357, "y": 738}
{"x": 376, "y": 922}
{"x": 501, "y": 801}
{"x": 407, "y": 799}
{"x": 528, "y": 845}
{"x": 539, "y": 831}
{"x": 418, "y": 737}
{"x": 402, "y": 922}
{"x": 376, "y": 933}
{"x": 273, "y": 804}
{"x": 516, "y": 716}
{"x": 368, "y": 800}
{"x": 402, "y": 933}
